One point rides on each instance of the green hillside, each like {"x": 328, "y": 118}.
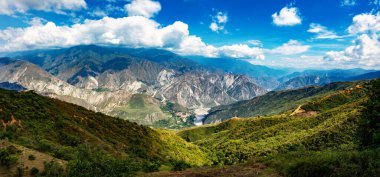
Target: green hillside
{"x": 322, "y": 137}
{"x": 89, "y": 140}
{"x": 275, "y": 102}
{"x": 334, "y": 134}
{"x": 141, "y": 109}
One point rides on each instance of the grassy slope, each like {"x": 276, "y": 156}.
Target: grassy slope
{"x": 141, "y": 109}
{"x": 315, "y": 145}
{"x": 60, "y": 129}
{"x": 25, "y": 162}
{"x": 238, "y": 140}
{"x": 273, "y": 102}
{"x": 322, "y": 144}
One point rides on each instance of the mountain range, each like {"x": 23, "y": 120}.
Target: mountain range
{"x": 105, "y": 79}
{"x": 113, "y": 80}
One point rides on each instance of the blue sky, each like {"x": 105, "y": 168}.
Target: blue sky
{"x": 277, "y": 33}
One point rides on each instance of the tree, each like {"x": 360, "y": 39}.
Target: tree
{"x": 370, "y": 132}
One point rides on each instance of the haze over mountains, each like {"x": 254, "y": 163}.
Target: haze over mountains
{"x": 107, "y": 79}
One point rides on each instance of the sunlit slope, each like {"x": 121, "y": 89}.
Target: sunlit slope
{"x": 275, "y": 102}
{"x": 327, "y": 123}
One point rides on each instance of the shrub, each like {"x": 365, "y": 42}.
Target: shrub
{"x": 31, "y": 157}
{"x": 152, "y": 166}
{"x": 34, "y": 171}
{"x": 6, "y": 158}
{"x": 180, "y": 165}
{"x": 53, "y": 169}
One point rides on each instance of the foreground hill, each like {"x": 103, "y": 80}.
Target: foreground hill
{"x": 335, "y": 135}
{"x": 66, "y": 131}
{"x": 327, "y": 122}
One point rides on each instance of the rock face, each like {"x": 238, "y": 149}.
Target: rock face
{"x": 194, "y": 90}
{"x": 303, "y": 81}
{"x": 105, "y": 79}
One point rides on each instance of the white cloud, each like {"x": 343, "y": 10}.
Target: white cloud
{"x": 255, "y": 43}
{"x": 241, "y": 51}
{"x": 365, "y": 50}
{"x": 348, "y": 2}
{"x": 219, "y": 22}
{"x": 365, "y": 23}
{"x": 322, "y": 32}
{"x": 133, "y": 31}
{"x": 146, "y": 8}
{"x": 97, "y": 12}
{"x": 299, "y": 62}
{"x": 214, "y": 27}
{"x": 287, "y": 17}
{"x": 10, "y": 7}
{"x": 193, "y": 45}
{"x": 290, "y": 48}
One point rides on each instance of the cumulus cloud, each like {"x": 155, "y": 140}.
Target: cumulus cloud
{"x": 219, "y": 22}
{"x": 322, "y": 32}
{"x": 133, "y": 31}
{"x": 365, "y": 50}
{"x": 146, "y": 8}
{"x": 364, "y": 23}
{"x": 136, "y": 30}
{"x": 241, "y": 51}
{"x": 288, "y": 16}
{"x": 290, "y": 48}
{"x": 10, "y": 7}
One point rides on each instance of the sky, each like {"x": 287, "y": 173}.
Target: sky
{"x": 319, "y": 34}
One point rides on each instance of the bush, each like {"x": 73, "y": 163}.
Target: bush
{"x": 6, "y": 158}
{"x": 31, "y": 157}
{"x": 53, "y": 169}
{"x": 34, "y": 171}
{"x": 152, "y": 166}
{"x": 180, "y": 165}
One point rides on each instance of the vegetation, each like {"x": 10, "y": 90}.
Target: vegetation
{"x": 275, "y": 102}
{"x": 339, "y": 140}
{"x": 34, "y": 171}
{"x": 334, "y": 134}
{"x": 67, "y": 131}
{"x": 370, "y": 132}
{"x": 7, "y": 157}
{"x": 31, "y": 157}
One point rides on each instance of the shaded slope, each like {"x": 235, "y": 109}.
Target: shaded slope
{"x": 60, "y": 129}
